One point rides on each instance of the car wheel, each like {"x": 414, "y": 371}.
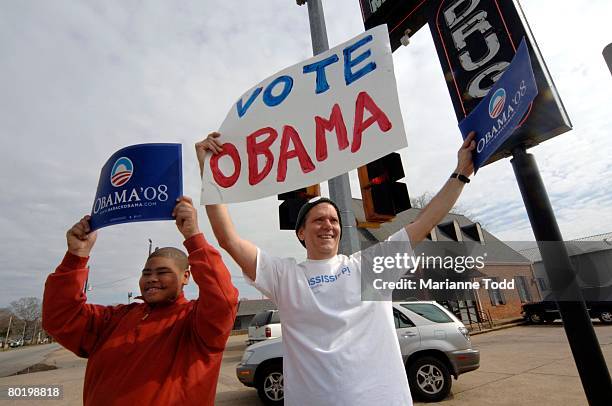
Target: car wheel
{"x": 270, "y": 386}
{"x": 429, "y": 379}
{"x": 536, "y": 318}
{"x": 605, "y": 317}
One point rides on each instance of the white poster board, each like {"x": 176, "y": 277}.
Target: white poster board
{"x": 308, "y": 123}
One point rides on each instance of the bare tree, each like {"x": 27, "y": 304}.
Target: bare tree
{"x": 27, "y": 308}
{"x": 421, "y": 201}
{"x": 5, "y": 318}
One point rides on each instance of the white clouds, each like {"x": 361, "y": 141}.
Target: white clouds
{"x": 81, "y": 80}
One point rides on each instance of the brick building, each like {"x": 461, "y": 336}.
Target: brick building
{"x": 472, "y": 306}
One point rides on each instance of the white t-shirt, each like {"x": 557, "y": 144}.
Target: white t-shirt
{"x": 338, "y": 350}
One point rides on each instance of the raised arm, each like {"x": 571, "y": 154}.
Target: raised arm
{"x": 446, "y": 198}
{"x": 66, "y": 315}
{"x": 242, "y": 251}
{"x": 218, "y": 298}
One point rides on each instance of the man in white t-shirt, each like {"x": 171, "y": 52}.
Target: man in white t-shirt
{"x": 338, "y": 349}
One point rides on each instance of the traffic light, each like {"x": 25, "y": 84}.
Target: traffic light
{"x": 383, "y": 197}
{"x": 293, "y": 202}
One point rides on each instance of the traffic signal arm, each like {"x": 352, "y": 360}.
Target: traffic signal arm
{"x": 292, "y": 203}
{"x": 242, "y": 251}
{"x": 383, "y": 196}
{"x": 434, "y": 212}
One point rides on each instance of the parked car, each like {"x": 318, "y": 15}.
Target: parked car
{"x": 15, "y": 343}
{"x": 547, "y": 312}
{"x": 433, "y": 343}
{"x": 264, "y": 326}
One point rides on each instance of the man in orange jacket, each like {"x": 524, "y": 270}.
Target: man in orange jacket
{"x": 165, "y": 351}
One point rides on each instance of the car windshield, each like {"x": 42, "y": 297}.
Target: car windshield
{"x": 275, "y": 318}
{"x": 428, "y": 311}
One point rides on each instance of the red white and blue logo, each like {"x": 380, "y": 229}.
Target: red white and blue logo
{"x": 122, "y": 171}
{"x": 497, "y": 103}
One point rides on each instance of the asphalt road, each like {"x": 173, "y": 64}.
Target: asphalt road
{"x": 520, "y": 366}
{"x": 15, "y": 359}
{"x": 525, "y": 365}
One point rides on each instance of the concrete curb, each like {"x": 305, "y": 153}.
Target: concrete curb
{"x": 500, "y": 327}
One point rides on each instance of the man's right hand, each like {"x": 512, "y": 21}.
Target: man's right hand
{"x": 210, "y": 143}
{"x": 80, "y": 238}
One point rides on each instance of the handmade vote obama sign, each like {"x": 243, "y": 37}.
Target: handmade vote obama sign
{"x": 308, "y": 123}
{"x": 138, "y": 183}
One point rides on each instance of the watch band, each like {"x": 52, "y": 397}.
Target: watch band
{"x": 461, "y": 177}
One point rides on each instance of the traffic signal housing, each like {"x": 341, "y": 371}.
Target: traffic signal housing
{"x": 383, "y": 196}
{"x": 293, "y": 202}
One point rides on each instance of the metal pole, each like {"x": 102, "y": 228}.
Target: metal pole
{"x": 7, "y": 332}
{"x": 607, "y": 54}
{"x": 339, "y": 187}
{"x": 34, "y": 333}
{"x": 583, "y": 342}
{"x": 25, "y": 324}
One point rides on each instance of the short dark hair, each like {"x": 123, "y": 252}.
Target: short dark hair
{"x": 175, "y": 254}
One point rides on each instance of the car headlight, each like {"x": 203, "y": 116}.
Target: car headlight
{"x": 465, "y": 332}
{"x": 246, "y": 356}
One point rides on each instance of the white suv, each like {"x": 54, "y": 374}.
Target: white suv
{"x": 264, "y": 326}
{"x": 435, "y": 347}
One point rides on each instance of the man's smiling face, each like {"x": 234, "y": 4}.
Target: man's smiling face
{"x": 162, "y": 280}
{"x": 321, "y": 232}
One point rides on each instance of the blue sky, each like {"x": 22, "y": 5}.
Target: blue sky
{"x": 84, "y": 79}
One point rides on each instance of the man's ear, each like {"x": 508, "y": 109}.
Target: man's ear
{"x": 300, "y": 233}
{"x": 186, "y": 275}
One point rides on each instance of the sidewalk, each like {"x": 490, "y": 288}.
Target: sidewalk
{"x": 70, "y": 374}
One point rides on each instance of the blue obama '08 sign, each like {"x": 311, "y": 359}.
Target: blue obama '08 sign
{"x": 138, "y": 183}
{"x": 503, "y": 109}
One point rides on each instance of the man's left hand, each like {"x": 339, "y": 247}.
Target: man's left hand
{"x": 186, "y": 217}
{"x": 465, "y": 164}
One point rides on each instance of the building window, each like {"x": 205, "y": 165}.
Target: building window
{"x": 542, "y": 284}
{"x": 523, "y": 289}
{"x": 496, "y": 296}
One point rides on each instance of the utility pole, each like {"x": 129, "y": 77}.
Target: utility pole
{"x": 8, "y": 332}
{"x": 581, "y": 336}
{"x": 339, "y": 187}
{"x": 34, "y": 333}
{"x": 25, "y": 324}
{"x": 150, "y": 245}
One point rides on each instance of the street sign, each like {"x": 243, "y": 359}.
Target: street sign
{"x": 476, "y": 40}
